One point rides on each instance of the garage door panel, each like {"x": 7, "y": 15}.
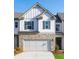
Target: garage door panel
{"x": 49, "y": 45}
{"x": 26, "y": 45}
{"x": 35, "y": 45}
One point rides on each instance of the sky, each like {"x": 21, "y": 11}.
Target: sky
{"x": 53, "y": 6}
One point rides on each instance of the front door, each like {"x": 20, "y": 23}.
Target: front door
{"x": 59, "y": 42}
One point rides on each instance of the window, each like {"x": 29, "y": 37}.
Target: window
{"x": 16, "y": 24}
{"x": 29, "y": 25}
{"x": 46, "y": 24}
{"x": 57, "y": 27}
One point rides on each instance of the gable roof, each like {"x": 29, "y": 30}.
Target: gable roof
{"x": 38, "y": 4}
{"x": 52, "y": 16}
{"x": 59, "y": 17}
{"x": 29, "y": 9}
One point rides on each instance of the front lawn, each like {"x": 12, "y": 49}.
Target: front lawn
{"x": 59, "y": 56}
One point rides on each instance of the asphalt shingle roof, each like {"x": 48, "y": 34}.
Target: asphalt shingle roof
{"x": 61, "y": 16}
{"x": 16, "y": 14}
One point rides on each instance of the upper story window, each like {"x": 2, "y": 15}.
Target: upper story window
{"x": 29, "y": 25}
{"x": 16, "y": 24}
{"x": 58, "y": 28}
{"x": 46, "y": 24}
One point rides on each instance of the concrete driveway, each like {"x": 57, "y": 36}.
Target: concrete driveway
{"x": 35, "y": 55}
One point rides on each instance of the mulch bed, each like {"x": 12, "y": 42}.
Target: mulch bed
{"x": 58, "y": 52}
{"x": 17, "y": 51}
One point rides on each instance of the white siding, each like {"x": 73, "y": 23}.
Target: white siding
{"x": 32, "y": 13}
{"x": 62, "y": 42}
{"x": 52, "y": 24}
{"x": 16, "y": 29}
{"x": 63, "y": 26}
{"x": 28, "y": 16}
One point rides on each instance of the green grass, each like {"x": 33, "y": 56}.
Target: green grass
{"x": 59, "y": 56}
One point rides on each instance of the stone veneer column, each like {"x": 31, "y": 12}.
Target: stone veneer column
{"x": 21, "y": 42}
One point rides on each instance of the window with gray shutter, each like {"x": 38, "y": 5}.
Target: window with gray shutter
{"x": 46, "y": 24}
{"x": 29, "y": 25}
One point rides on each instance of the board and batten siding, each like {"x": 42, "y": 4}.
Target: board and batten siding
{"x": 31, "y": 15}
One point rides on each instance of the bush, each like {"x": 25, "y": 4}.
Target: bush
{"x": 17, "y": 50}
{"x": 57, "y": 47}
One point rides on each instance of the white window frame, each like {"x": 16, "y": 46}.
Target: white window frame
{"x": 59, "y": 27}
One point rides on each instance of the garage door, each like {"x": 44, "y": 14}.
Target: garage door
{"x": 36, "y": 45}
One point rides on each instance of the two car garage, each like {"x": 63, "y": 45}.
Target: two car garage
{"x": 36, "y": 45}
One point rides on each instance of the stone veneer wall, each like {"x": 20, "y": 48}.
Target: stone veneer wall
{"x": 36, "y": 36}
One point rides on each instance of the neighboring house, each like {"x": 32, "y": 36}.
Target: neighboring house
{"x": 16, "y": 29}
{"x": 35, "y": 30}
{"x": 60, "y": 30}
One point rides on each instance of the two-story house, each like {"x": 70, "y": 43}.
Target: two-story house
{"x": 35, "y": 29}
{"x": 16, "y": 29}
{"x": 59, "y": 30}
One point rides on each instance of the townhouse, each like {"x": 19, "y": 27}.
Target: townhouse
{"x": 38, "y": 29}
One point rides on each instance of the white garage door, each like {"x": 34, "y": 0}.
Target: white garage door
{"x": 36, "y": 45}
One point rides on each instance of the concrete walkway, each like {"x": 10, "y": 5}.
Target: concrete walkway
{"x": 35, "y": 55}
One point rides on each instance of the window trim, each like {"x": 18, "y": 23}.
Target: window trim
{"x": 58, "y": 28}
{"x": 29, "y": 26}
{"x": 46, "y": 25}
{"x": 16, "y": 24}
